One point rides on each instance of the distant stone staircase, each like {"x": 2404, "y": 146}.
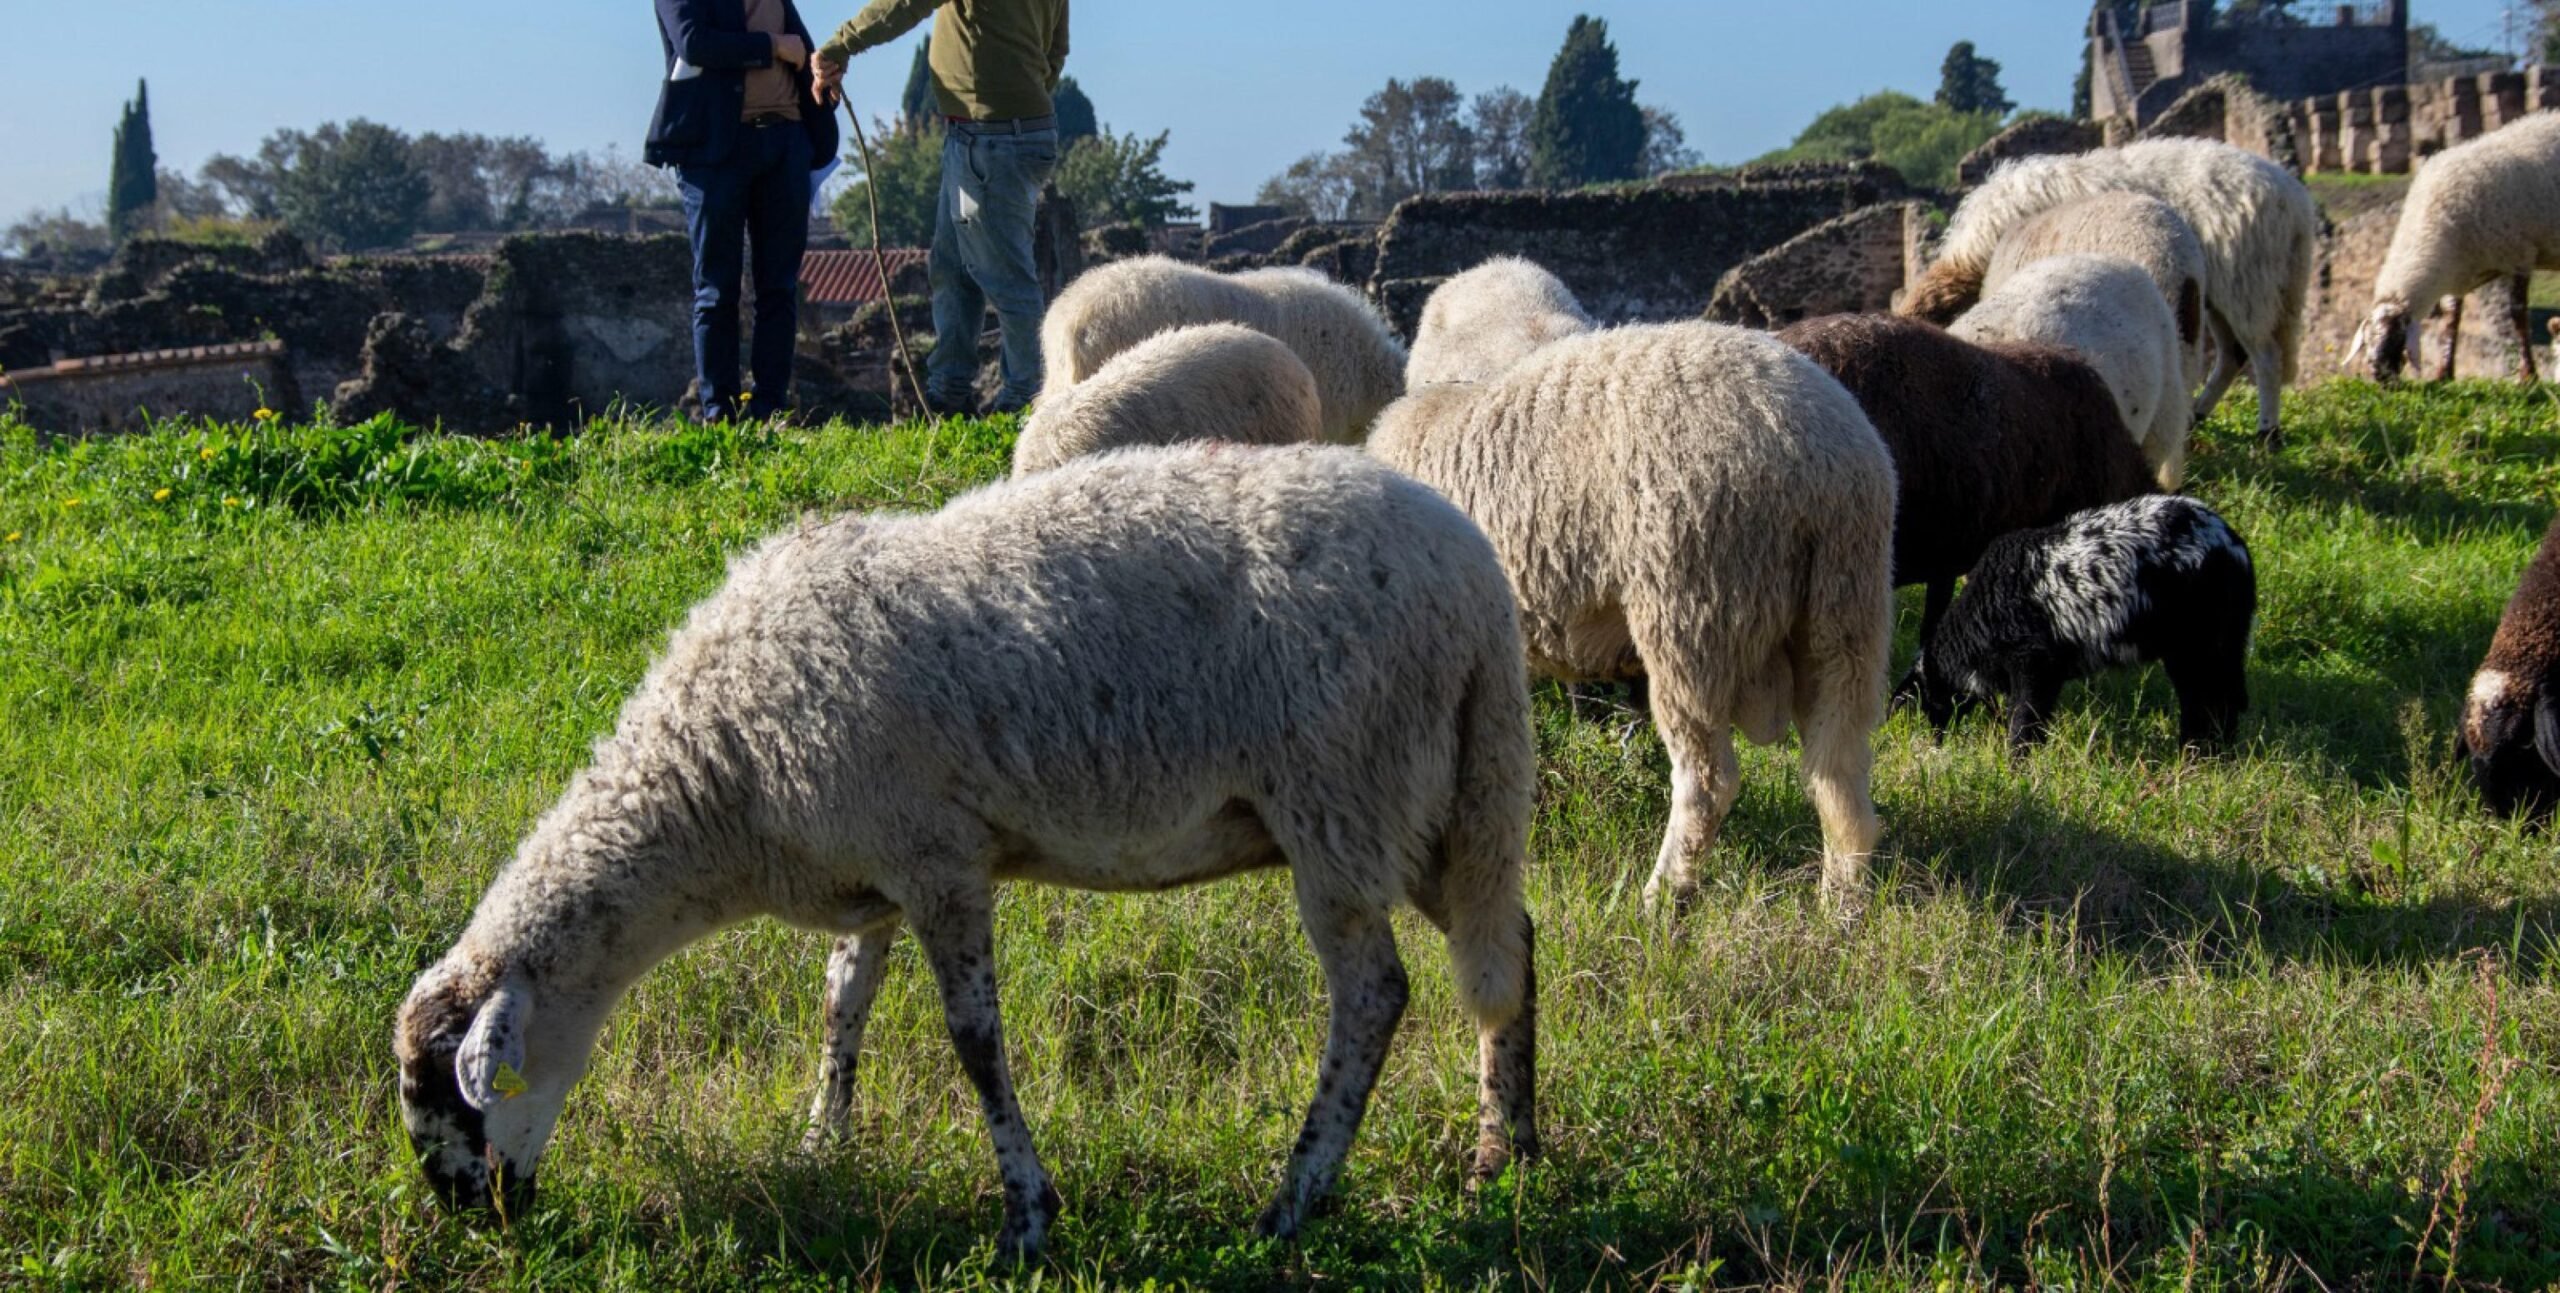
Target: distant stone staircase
{"x": 2139, "y": 64}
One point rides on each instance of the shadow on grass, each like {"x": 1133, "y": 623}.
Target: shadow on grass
{"x": 2135, "y": 898}
{"x": 1593, "y": 1214}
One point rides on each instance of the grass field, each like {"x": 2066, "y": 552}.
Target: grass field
{"x": 277, "y": 701}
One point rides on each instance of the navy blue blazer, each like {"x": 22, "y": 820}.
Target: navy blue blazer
{"x": 697, "y": 122}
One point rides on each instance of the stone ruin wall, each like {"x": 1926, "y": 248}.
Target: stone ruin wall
{"x": 1644, "y": 254}
{"x": 108, "y": 396}
{"x": 2389, "y": 129}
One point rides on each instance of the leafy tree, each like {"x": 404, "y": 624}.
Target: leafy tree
{"x": 1410, "y": 139}
{"x": 1114, "y": 178}
{"x": 917, "y": 105}
{"x": 1666, "y": 145}
{"x": 58, "y": 237}
{"x": 185, "y": 201}
{"x": 253, "y": 186}
{"x": 133, "y": 185}
{"x": 615, "y": 180}
{"x": 1075, "y": 113}
{"x": 478, "y": 182}
{"x": 1319, "y": 186}
{"x": 909, "y": 180}
{"x": 1968, "y": 82}
{"x": 1923, "y": 141}
{"x": 1499, "y": 121}
{"x": 1587, "y": 128}
{"x": 354, "y": 187}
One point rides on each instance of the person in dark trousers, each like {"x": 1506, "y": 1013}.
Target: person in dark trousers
{"x": 995, "y": 64}
{"x": 740, "y": 122}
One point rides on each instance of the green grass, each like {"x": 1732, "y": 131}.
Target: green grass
{"x": 2117, "y": 1019}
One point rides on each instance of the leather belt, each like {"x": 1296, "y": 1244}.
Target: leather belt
{"x": 1016, "y": 126}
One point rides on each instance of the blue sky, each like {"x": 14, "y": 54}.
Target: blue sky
{"x": 1244, "y": 87}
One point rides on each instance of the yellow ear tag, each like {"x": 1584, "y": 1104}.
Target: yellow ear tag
{"x": 509, "y": 1083}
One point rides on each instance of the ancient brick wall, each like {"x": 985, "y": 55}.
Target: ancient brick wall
{"x": 116, "y": 393}
{"x": 1852, "y": 265}
{"x": 2384, "y": 130}
{"x": 2037, "y": 137}
{"x": 570, "y": 326}
{"x": 1651, "y": 253}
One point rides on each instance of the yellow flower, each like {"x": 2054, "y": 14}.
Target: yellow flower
{"x": 160, "y": 495}
{"x": 265, "y": 415}
{"x": 15, "y": 535}
{"x": 229, "y": 501}
{"x": 205, "y": 453}
{"x": 71, "y": 502}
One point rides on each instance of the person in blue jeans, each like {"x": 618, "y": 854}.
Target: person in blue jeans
{"x": 995, "y": 64}
{"x": 740, "y": 122}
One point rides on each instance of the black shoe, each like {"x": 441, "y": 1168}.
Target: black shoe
{"x": 946, "y": 408}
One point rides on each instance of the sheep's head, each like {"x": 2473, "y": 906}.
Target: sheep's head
{"x": 2510, "y": 737}
{"x": 478, "y": 1097}
{"x": 1944, "y": 694}
{"x": 2384, "y": 341}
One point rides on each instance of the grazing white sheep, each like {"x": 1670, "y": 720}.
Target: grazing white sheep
{"x": 1220, "y": 381}
{"x": 2258, "y": 224}
{"x": 2130, "y": 226}
{"x": 2109, "y": 312}
{"x": 1342, "y": 339}
{"x": 1143, "y": 670}
{"x": 2477, "y": 212}
{"x": 1481, "y": 322}
{"x": 1699, "y": 506}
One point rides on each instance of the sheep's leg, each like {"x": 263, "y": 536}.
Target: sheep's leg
{"x": 1366, "y": 982}
{"x": 2213, "y": 688}
{"x": 2032, "y": 697}
{"x": 1507, "y": 1073}
{"x": 854, "y": 973}
{"x": 2452, "y": 338}
{"x": 1706, "y": 778}
{"x": 958, "y": 935}
{"x": 1498, "y": 983}
{"x": 1941, "y": 594}
{"x": 2226, "y": 365}
{"x": 1838, "y": 717}
{"x": 2520, "y": 315}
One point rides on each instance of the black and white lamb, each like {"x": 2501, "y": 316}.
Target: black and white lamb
{"x": 2154, "y": 578}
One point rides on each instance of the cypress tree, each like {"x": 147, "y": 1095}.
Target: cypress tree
{"x": 133, "y": 186}
{"x": 1075, "y": 113}
{"x": 1587, "y": 128}
{"x": 917, "y": 107}
{"x": 1968, "y": 82}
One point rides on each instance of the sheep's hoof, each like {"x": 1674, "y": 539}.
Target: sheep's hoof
{"x": 1671, "y": 898}
{"x": 1279, "y": 1221}
{"x": 1026, "y": 1230}
{"x": 1846, "y": 897}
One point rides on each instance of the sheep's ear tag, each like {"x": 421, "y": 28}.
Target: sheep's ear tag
{"x": 508, "y": 1083}
{"x": 489, "y": 1066}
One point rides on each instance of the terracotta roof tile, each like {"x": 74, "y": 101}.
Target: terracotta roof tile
{"x": 851, "y": 277}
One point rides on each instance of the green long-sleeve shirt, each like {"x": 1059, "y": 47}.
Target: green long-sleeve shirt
{"x": 993, "y": 60}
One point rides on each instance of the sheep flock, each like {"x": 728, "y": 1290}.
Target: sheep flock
{"x": 1268, "y": 590}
